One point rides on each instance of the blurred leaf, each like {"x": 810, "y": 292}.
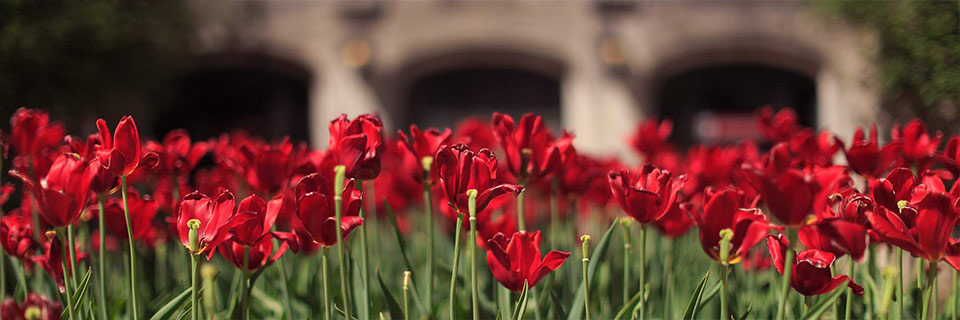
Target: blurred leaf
{"x": 80, "y": 292}
{"x": 521, "y": 303}
{"x": 406, "y": 260}
{"x": 396, "y": 312}
{"x": 576, "y": 309}
{"x": 746, "y": 313}
{"x": 825, "y": 303}
{"x": 558, "y": 305}
{"x": 171, "y": 306}
{"x": 694, "y": 304}
{"x": 628, "y": 306}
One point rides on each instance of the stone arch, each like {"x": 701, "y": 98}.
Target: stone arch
{"x": 265, "y": 95}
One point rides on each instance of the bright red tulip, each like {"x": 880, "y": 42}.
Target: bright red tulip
{"x": 63, "y": 193}
{"x": 645, "y": 196}
{"x": 917, "y": 146}
{"x": 866, "y": 157}
{"x": 460, "y": 170}
{"x": 676, "y": 222}
{"x": 531, "y": 151}
{"x": 217, "y": 218}
{"x": 34, "y": 307}
{"x": 422, "y": 144}
{"x": 813, "y": 148}
{"x": 518, "y": 260}
{"x": 32, "y": 131}
{"x": 260, "y": 255}
{"x": 953, "y": 254}
{"x": 316, "y": 209}
{"x": 177, "y": 154}
{"x": 142, "y": 211}
{"x": 922, "y": 227}
{"x": 811, "y": 269}
{"x": 951, "y": 156}
{"x": 16, "y": 235}
{"x": 261, "y": 217}
{"x": 779, "y": 127}
{"x": 724, "y": 211}
{"x": 475, "y": 132}
{"x": 103, "y": 181}
{"x": 52, "y": 261}
{"x": 650, "y": 137}
{"x": 789, "y": 193}
{"x": 120, "y": 153}
{"x": 836, "y": 236}
{"x": 356, "y": 144}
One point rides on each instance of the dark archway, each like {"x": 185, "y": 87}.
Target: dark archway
{"x": 263, "y": 95}
{"x": 716, "y": 102}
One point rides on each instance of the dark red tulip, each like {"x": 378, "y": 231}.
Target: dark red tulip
{"x": 647, "y": 195}
{"x": 922, "y": 227}
{"x": 650, "y": 137}
{"x": 518, "y": 259}
{"x": 779, "y": 127}
{"x": 356, "y": 144}
{"x": 715, "y": 165}
{"x": 531, "y": 151}
{"x": 460, "y": 170}
{"x": 897, "y": 186}
{"x": 953, "y": 254}
{"x": 724, "y": 211}
{"x": 811, "y": 269}
{"x": 836, "y": 236}
{"x": 917, "y": 146}
{"x": 142, "y": 211}
{"x": 756, "y": 261}
{"x": 272, "y": 166}
{"x": 177, "y": 155}
{"x": 424, "y": 143}
{"x": 16, "y": 235}
{"x": 217, "y": 218}
{"x": 475, "y": 132}
{"x": 120, "y": 153}
{"x": 789, "y": 193}
{"x": 261, "y": 217}
{"x": 676, "y": 222}
{"x": 52, "y": 261}
{"x": 316, "y": 209}
{"x": 866, "y": 157}
{"x": 103, "y": 181}
{"x": 34, "y": 307}
{"x": 31, "y": 131}
{"x": 951, "y": 156}
{"x": 63, "y": 193}
{"x": 260, "y": 255}
{"x": 813, "y": 148}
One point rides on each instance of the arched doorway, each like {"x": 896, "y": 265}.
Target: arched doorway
{"x": 263, "y": 95}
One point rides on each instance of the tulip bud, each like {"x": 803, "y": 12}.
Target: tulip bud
{"x": 341, "y": 175}
{"x": 726, "y": 235}
{"x": 472, "y": 202}
{"x": 406, "y": 280}
{"x": 585, "y": 239}
{"x": 194, "y": 235}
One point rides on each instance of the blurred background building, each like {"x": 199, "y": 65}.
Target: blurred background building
{"x": 595, "y": 68}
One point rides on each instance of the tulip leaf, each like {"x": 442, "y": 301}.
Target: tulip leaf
{"x": 171, "y": 306}
{"x": 395, "y": 310}
{"x": 694, "y": 304}
{"x": 406, "y": 258}
{"x": 576, "y": 310}
{"x": 746, "y": 313}
{"x": 628, "y": 306}
{"x": 503, "y": 302}
{"x": 825, "y": 303}
{"x": 80, "y": 292}
{"x": 710, "y": 294}
{"x": 521, "y": 303}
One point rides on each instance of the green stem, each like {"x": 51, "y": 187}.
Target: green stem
{"x": 133, "y": 264}
{"x": 848, "y": 312}
{"x": 327, "y": 309}
{"x": 642, "y": 305}
{"x": 626, "y": 261}
{"x": 900, "y": 296}
{"x": 3, "y": 275}
{"x": 929, "y": 303}
{"x": 585, "y": 265}
{"x": 338, "y": 204}
{"x": 456, "y": 265}
{"x": 787, "y": 270}
{"x": 668, "y": 280}
{"x": 101, "y": 199}
{"x": 956, "y": 296}
{"x": 428, "y": 205}
{"x": 724, "y": 299}
{"x": 364, "y": 258}
{"x": 72, "y": 251}
{"x": 283, "y": 289}
{"x": 66, "y": 280}
{"x": 245, "y": 297}
{"x": 473, "y": 266}
{"x": 521, "y": 222}
{"x": 406, "y": 296}
{"x": 195, "y": 287}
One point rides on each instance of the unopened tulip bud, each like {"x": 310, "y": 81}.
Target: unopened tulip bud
{"x": 726, "y": 235}
{"x": 472, "y": 202}
{"x": 406, "y": 280}
{"x": 585, "y": 239}
{"x": 194, "y": 235}
{"x": 338, "y": 181}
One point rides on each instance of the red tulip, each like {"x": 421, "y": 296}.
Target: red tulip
{"x": 922, "y": 227}
{"x": 951, "y": 156}
{"x": 34, "y": 307}
{"x": 103, "y": 181}
{"x": 32, "y": 131}
{"x": 647, "y": 196}
{"x": 475, "y": 132}
{"x": 866, "y": 158}
{"x": 63, "y": 193}
{"x": 177, "y": 154}
{"x": 836, "y": 236}
{"x": 120, "y": 153}
{"x": 953, "y": 254}
{"x": 814, "y": 149}
{"x": 142, "y": 211}
{"x": 356, "y": 144}
{"x": 676, "y": 222}
{"x": 789, "y": 193}
{"x": 272, "y": 166}
{"x": 460, "y": 169}
{"x": 260, "y": 255}
{"x": 897, "y": 186}
{"x": 777, "y": 128}
{"x": 811, "y": 269}
{"x": 316, "y": 209}
{"x": 261, "y": 217}
{"x": 424, "y": 143}
{"x": 917, "y": 146}
{"x": 650, "y": 137}
{"x": 52, "y": 261}
{"x": 518, "y": 260}
{"x": 531, "y": 150}
{"x": 724, "y": 211}
{"x": 217, "y": 218}
{"x": 16, "y": 235}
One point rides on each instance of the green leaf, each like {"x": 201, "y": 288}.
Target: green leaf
{"x": 694, "y": 304}
{"x": 558, "y": 305}
{"x": 80, "y": 291}
{"x": 396, "y": 312}
{"x": 746, "y": 313}
{"x": 171, "y": 306}
{"x": 576, "y": 310}
{"x": 628, "y": 306}
{"x": 406, "y": 258}
{"x": 825, "y": 303}
{"x": 710, "y": 294}
{"x": 521, "y": 303}
{"x": 503, "y": 302}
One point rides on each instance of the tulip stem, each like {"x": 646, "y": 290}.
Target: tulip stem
{"x": 66, "y": 279}
{"x": 364, "y": 258}
{"x": 456, "y": 265}
{"x": 956, "y": 296}
{"x": 428, "y": 206}
{"x": 585, "y": 264}
{"x": 194, "y": 287}
{"x": 641, "y": 307}
{"x": 900, "y": 296}
{"x": 406, "y": 295}
{"x": 929, "y": 302}
{"x": 338, "y": 203}
{"x": 724, "y": 300}
{"x": 72, "y": 251}
{"x": 785, "y": 283}
{"x": 101, "y": 199}
{"x": 626, "y": 260}
{"x": 325, "y": 269}
{"x": 473, "y": 265}
{"x": 133, "y": 264}
{"x": 245, "y": 283}
{"x": 848, "y": 312}
{"x": 521, "y": 221}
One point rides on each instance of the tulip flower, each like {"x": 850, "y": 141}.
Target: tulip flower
{"x": 788, "y": 192}
{"x": 811, "y": 268}
{"x": 315, "y": 209}
{"x": 357, "y": 145}
{"x": 142, "y": 211}
{"x": 651, "y": 137}
{"x": 63, "y": 193}
{"x": 921, "y": 228}
{"x": 866, "y": 157}
{"x": 475, "y": 132}
{"x": 34, "y": 307}
{"x": 532, "y": 152}
{"x": 645, "y": 196}
{"x": 779, "y": 127}
{"x": 120, "y": 153}
{"x": 16, "y": 235}
{"x": 31, "y": 131}
{"x": 724, "y": 211}
{"x": 517, "y": 260}
{"x": 177, "y": 155}
{"x": 951, "y": 156}
{"x": 215, "y": 218}
{"x": 918, "y": 147}
{"x": 260, "y": 255}
{"x": 53, "y": 263}
{"x": 460, "y": 169}
{"x": 423, "y": 144}
{"x": 813, "y": 148}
